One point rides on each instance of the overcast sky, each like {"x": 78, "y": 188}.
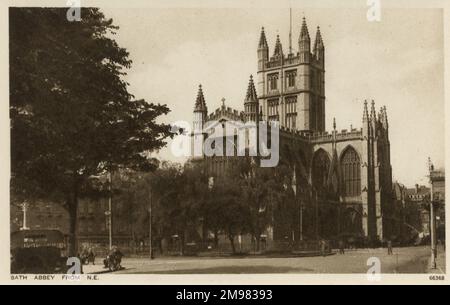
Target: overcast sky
{"x": 398, "y": 62}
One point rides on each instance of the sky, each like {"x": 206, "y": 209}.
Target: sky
{"x": 398, "y": 62}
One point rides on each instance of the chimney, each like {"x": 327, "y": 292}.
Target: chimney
{"x": 417, "y": 188}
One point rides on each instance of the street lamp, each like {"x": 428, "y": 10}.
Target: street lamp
{"x": 25, "y": 206}
{"x": 432, "y": 219}
{"x": 150, "y": 225}
{"x": 109, "y": 212}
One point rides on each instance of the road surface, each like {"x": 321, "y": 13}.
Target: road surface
{"x": 404, "y": 260}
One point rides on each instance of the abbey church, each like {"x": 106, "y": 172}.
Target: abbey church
{"x": 343, "y": 177}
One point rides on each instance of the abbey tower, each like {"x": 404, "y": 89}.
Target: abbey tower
{"x": 292, "y": 87}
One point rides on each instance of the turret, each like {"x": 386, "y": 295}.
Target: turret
{"x": 278, "y": 51}
{"x": 251, "y": 102}
{"x": 384, "y": 118}
{"x": 319, "y": 48}
{"x": 373, "y": 119}
{"x": 304, "y": 43}
{"x": 366, "y": 123}
{"x": 365, "y": 113}
{"x": 200, "y": 110}
{"x": 263, "y": 51}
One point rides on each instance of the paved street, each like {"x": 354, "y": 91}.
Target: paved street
{"x": 404, "y": 260}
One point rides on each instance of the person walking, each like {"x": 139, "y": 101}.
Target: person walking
{"x": 389, "y": 246}
{"x": 323, "y": 247}
{"x": 91, "y": 256}
{"x": 341, "y": 247}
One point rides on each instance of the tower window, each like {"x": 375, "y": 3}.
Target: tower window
{"x": 290, "y": 120}
{"x": 273, "y": 107}
{"x": 290, "y": 77}
{"x": 273, "y": 110}
{"x": 273, "y": 81}
{"x": 291, "y": 112}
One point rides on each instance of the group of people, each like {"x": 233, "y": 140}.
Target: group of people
{"x": 114, "y": 256}
{"x": 341, "y": 247}
{"x": 88, "y": 256}
{"x": 113, "y": 260}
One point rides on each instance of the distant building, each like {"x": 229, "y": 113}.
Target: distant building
{"x": 92, "y": 221}
{"x": 39, "y": 215}
{"x": 412, "y": 212}
{"x": 420, "y": 196}
{"x": 418, "y": 193}
{"x": 437, "y": 178}
{"x": 413, "y": 208}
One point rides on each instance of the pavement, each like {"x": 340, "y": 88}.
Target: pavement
{"x": 95, "y": 269}
{"x": 440, "y": 261}
{"x": 405, "y": 260}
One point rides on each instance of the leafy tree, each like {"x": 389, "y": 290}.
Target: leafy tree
{"x": 227, "y": 210}
{"x": 132, "y": 192}
{"x": 170, "y": 214}
{"x": 194, "y": 195}
{"x": 268, "y": 194}
{"x": 72, "y": 116}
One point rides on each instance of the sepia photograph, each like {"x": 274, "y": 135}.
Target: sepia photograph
{"x": 226, "y": 139}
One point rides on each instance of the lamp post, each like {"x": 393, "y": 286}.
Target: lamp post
{"x": 432, "y": 219}
{"x": 109, "y": 212}
{"x": 25, "y": 207}
{"x": 150, "y": 225}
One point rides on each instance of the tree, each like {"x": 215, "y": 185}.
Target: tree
{"x": 169, "y": 213}
{"x": 268, "y": 194}
{"x": 227, "y": 210}
{"x": 72, "y": 116}
{"x": 132, "y": 192}
{"x": 194, "y": 196}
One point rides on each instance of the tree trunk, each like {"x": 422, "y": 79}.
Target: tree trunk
{"x": 182, "y": 243}
{"x": 73, "y": 227}
{"x": 233, "y": 248}
{"x": 204, "y": 235}
{"x": 216, "y": 239}
{"x": 160, "y": 246}
{"x": 258, "y": 235}
{"x": 133, "y": 237}
{"x": 258, "y": 242}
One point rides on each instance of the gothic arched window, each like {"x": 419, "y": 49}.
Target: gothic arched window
{"x": 351, "y": 172}
{"x": 320, "y": 169}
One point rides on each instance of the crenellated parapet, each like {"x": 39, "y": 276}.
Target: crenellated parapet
{"x": 325, "y": 137}
{"x": 344, "y": 135}
{"x": 287, "y": 61}
{"x": 226, "y": 113}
